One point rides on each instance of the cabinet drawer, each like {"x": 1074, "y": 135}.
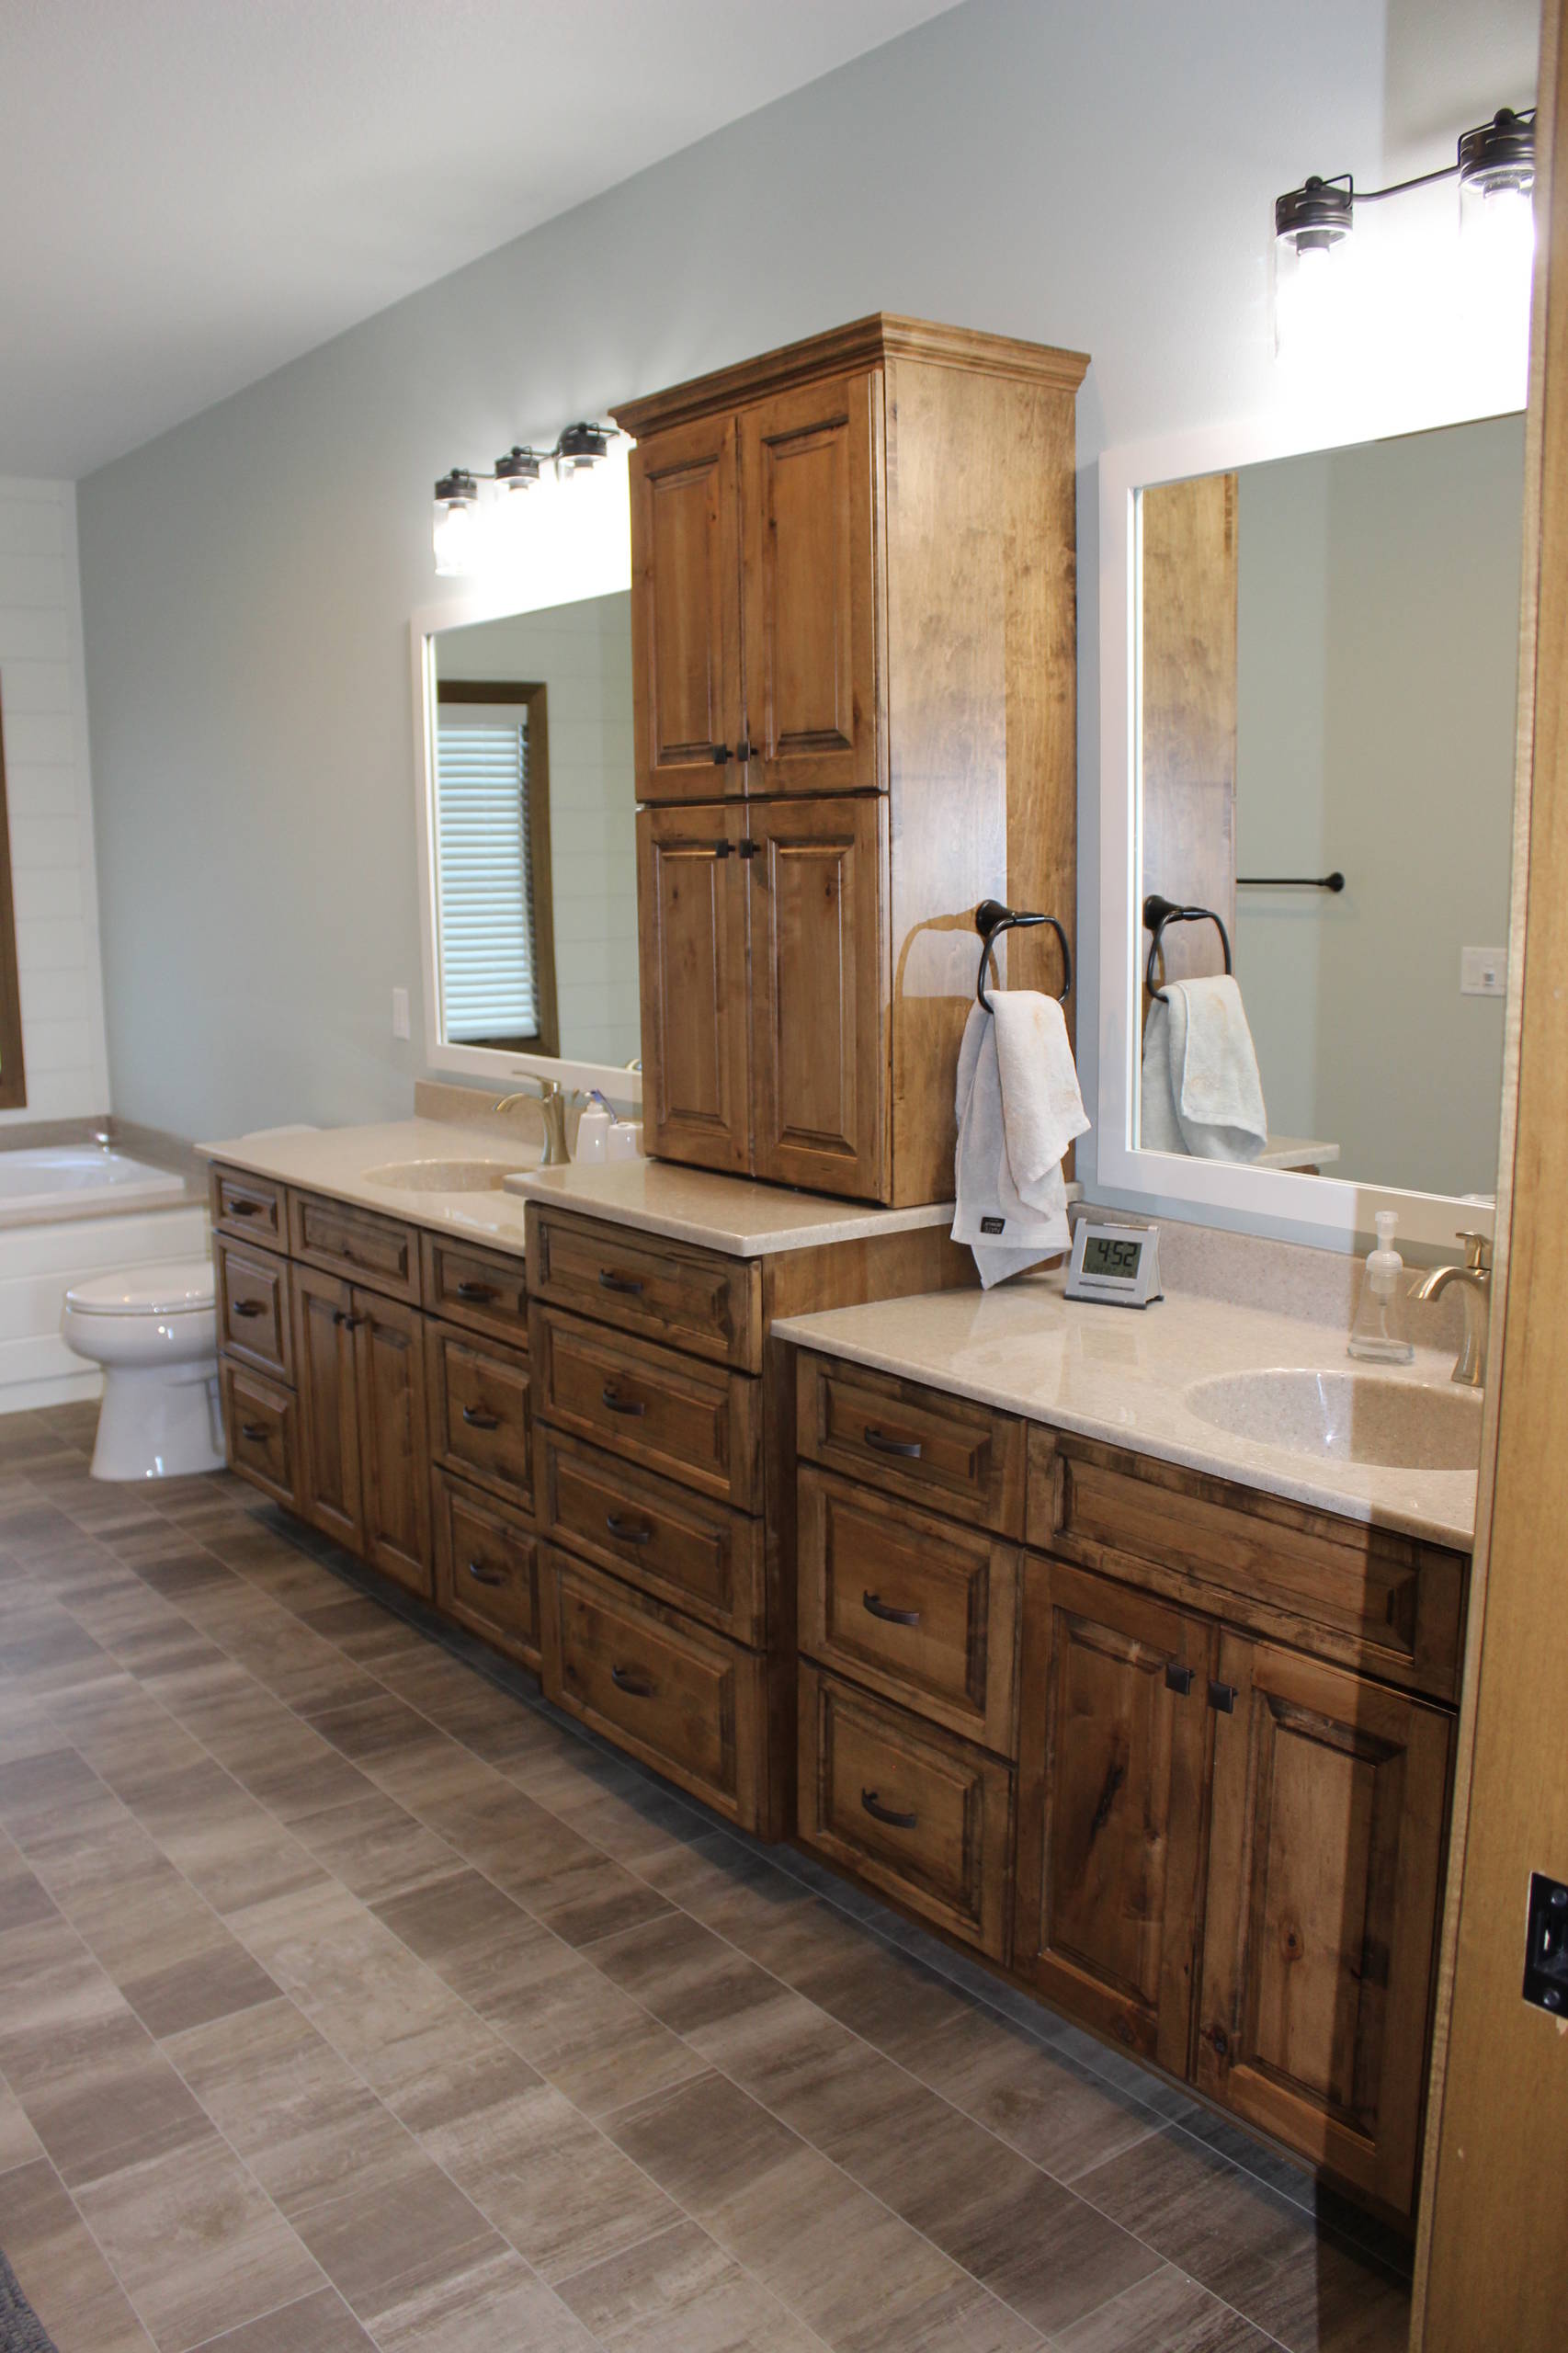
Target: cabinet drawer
{"x": 941, "y": 1451}
{"x": 668, "y": 1542}
{"x": 924, "y": 1612}
{"x": 378, "y": 1251}
{"x": 481, "y": 1289}
{"x": 1365, "y": 1597}
{"x": 250, "y": 1207}
{"x": 480, "y": 1410}
{"x": 697, "y": 1422}
{"x": 486, "y": 1567}
{"x": 252, "y": 1308}
{"x": 915, "y": 1813}
{"x": 683, "y": 1700}
{"x": 259, "y": 1428}
{"x": 710, "y": 1305}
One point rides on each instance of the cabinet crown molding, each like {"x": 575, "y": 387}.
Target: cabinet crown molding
{"x": 864, "y": 343}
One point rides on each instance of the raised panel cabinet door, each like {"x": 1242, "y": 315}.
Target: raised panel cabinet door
{"x": 691, "y": 934}
{"x": 1327, "y": 1853}
{"x": 819, "y": 982}
{"x": 686, "y": 625}
{"x": 394, "y": 1445}
{"x": 808, "y": 554}
{"x": 1111, "y": 1744}
{"x": 330, "y": 1495}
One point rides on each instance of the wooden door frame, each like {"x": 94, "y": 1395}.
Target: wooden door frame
{"x": 12, "y": 1064}
{"x": 1491, "y": 2256}
{"x": 534, "y": 696}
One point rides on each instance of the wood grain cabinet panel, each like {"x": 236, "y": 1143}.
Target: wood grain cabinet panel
{"x": 820, "y": 996}
{"x": 253, "y": 1208}
{"x": 918, "y": 1609}
{"x": 329, "y": 1420}
{"x": 692, "y": 1298}
{"x": 480, "y": 1410}
{"x": 1110, "y": 1806}
{"x": 683, "y": 1700}
{"x": 692, "y": 943}
{"x": 395, "y": 1457}
{"x": 809, "y": 560}
{"x": 685, "y": 613}
{"x": 261, "y": 1432}
{"x": 1329, "y": 1810}
{"x": 667, "y": 1541}
{"x": 922, "y": 1816}
{"x": 379, "y": 1252}
{"x": 695, "y": 1423}
{"x": 254, "y": 1323}
{"x": 485, "y": 1289}
{"x": 946, "y": 1452}
{"x": 486, "y": 1567}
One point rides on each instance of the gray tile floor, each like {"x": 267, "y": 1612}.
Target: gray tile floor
{"x": 348, "y": 1999}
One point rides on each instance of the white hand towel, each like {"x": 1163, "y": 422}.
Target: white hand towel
{"x": 1019, "y": 1109}
{"x": 1210, "y": 1104}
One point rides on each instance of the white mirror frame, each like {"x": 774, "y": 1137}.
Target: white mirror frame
{"x": 623, "y": 1087}
{"x": 1332, "y": 1212}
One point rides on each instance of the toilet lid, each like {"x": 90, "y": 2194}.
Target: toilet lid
{"x": 173, "y": 1287}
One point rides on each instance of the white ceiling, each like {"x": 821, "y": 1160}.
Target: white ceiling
{"x": 194, "y": 191}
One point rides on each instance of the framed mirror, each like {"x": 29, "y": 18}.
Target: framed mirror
{"x": 525, "y": 810}
{"x": 1310, "y": 694}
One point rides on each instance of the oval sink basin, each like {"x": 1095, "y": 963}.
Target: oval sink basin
{"x": 1347, "y": 1416}
{"x": 444, "y": 1176}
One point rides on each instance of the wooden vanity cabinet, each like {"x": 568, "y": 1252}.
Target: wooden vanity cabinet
{"x": 847, "y": 737}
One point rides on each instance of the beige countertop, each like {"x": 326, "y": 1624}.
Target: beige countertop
{"x": 727, "y": 1214}
{"x": 1121, "y": 1375}
{"x": 337, "y": 1161}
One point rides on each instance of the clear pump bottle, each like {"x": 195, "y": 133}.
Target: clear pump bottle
{"x": 1378, "y": 1333}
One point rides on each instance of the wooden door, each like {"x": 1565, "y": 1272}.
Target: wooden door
{"x": 329, "y": 1419}
{"x": 820, "y": 992}
{"x": 1110, "y": 1806}
{"x": 809, "y": 587}
{"x": 691, "y": 932}
{"x": 394, "y": 1445}
{"x": 1327, "y": 1847}
{"x": 686, "y": 625}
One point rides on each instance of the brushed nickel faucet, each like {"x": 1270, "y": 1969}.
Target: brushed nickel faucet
{"x": 1470, "y": 1367}
{"x": 552, "y": 1100}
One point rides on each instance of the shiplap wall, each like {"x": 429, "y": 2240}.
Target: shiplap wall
{"x": 43, "y": 712}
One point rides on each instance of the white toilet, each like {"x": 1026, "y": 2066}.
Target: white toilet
{"x": 154, "y": 1331}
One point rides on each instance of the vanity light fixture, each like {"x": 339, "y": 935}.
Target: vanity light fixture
{"x": 466, "y": 502}
{"x": 1314, "y": 223}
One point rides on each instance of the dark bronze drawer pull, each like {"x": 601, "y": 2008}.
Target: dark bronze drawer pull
{"x": 478, "y": 1295}
{"x": 1177, "y": 1678}
{"x": 349, "y": 1323}
{"x": 628, "y": 1531}
{"x": 619, "y": 1404}
{"x": 247, "y": 1209}
{"x": 636, "y": 1686}
{"x": 880, "y": 1812}
{"x": 478, "y": 1421}
{"x": 257, "y": 1432}
{"x": 875, "y": 1607}
{"x": 247, "y": 1308}
{"x": 482, "y": 1575}
{"x": 628, "y": 1286}
{"x": 1222, "y": 1698}
{"x": 910, "y": 1448}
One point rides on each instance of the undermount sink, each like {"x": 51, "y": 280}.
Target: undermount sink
{"x": 444, "y": 1176}
{"x": 1347, "y": 1416}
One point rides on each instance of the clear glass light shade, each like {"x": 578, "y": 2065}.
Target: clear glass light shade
{"x": 508, "y": 518}
{"x": 456, "y": 535}
{"x": 1497, "y": 226}
{"x": 1314, "y": 288}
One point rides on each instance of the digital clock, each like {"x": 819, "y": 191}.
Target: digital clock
{"x": 1120, "y": 1263}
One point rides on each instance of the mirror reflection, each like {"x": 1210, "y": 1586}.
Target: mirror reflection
{"x": 533, "y": 833}
{"x": 1326, "y": 683}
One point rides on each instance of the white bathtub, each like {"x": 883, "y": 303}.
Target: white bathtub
{"x": 67, "y": 1212}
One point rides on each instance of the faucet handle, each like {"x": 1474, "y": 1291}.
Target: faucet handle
{"x": 1477, "y": 1250}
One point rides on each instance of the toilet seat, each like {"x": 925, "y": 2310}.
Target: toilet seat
{"x": 175, "y": 1287}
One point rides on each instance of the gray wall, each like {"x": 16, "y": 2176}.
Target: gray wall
{"x": 1098, "y": 177}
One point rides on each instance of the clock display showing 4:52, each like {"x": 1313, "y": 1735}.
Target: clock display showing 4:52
{"x": 1119, "y": 1265}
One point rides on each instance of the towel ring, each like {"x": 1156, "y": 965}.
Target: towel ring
{"x": 991, "y": 920}
{"x": 1157, "y": 913}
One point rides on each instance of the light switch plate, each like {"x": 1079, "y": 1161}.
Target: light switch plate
{"x": 1484, "y": 971}
{"x": 400, "y": 1014}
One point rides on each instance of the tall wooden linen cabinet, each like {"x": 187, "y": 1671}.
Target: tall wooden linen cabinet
{"x": 853, "y": 657}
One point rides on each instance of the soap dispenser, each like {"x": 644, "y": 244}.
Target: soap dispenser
{"x": 592, "y": 1128}
{"x": 1378, "y": 1332}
